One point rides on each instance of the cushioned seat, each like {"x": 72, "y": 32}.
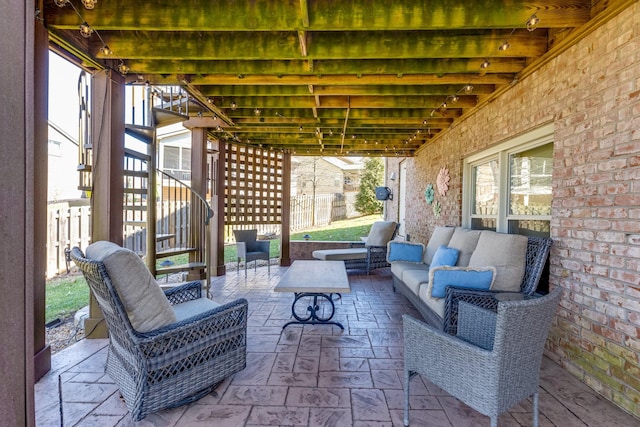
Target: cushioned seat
{"x": 366, "y": 255}
{"x": 340, "y": 254}
{"x": 166, "y": 348}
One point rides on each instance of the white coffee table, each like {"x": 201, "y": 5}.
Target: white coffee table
{"x": 319, "y": 280}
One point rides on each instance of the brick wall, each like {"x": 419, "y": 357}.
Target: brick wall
{"x": 591, "y": 93}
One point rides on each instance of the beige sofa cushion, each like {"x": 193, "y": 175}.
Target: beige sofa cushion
{"x": 435, "y": 304}
{"x": 414, "y": 278}
{"x": 440, "y": 236}
{"x": 381, "y": 232}
{"x": 399, "y": 268}
{"x": 465, "y": 241}
{"x": 505, "y": 252}
{"x": 145, "y": 303}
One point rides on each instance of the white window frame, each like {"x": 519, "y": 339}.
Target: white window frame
{"x": 532, "y": 139}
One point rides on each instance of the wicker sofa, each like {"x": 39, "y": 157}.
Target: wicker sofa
{"x": 516, "y": 263}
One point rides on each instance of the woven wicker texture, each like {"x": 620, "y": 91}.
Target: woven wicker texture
{"x": 536, "y": 257}
{"x": 489, "y": 381}
{"x": 173, "y": 365}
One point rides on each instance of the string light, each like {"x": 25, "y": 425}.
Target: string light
{"x": 123, "y": 68}
{"x": 504, "y": 46}
{"x": 89, "y": 4}
{"x": 532, "y": 22}
{"x": 85, "y": 30}
{"x": 106, "y": 51}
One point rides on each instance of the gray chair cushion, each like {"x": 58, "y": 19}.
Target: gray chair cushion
{"x": 145, "y": 303}
{"x": 507, "y": 253}
{"x": 440, "y": 236}
{"x": 193, "y": 307}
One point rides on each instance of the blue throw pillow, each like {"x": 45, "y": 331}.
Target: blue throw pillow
{"x": 460, "y": 277}
{"x": 401, "y": 251}
{"x": 444, "y": 256}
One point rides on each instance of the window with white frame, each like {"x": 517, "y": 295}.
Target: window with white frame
{"x": 507, "y": 188}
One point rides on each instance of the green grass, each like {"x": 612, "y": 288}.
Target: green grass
{"x": 67, "y": 294}
{"x": 64, "y": 296}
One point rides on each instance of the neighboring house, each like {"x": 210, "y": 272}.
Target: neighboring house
{"x": 325, "y": 175}
{"x": 63, "y": 162}
{"x": 174, "y": 144}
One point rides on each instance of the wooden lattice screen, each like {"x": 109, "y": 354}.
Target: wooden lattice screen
{"x": 253, "y": 186}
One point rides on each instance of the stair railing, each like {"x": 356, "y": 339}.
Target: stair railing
{"x": 182, "y": 227}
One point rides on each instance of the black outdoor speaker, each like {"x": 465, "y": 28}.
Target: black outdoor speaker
{"x": 383, "y": 193}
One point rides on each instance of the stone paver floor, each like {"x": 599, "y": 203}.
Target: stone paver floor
{"x": 316, "y": 375}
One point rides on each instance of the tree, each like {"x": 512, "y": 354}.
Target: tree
{"x": 372, "y": 176}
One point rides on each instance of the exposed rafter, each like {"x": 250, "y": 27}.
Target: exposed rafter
{"x": 398, "y": 69}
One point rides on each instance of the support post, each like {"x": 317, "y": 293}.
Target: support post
{"x": 199, "y": 185}
{"x": 107, "y": 130}
{"x": 216, "y": 228}
{"x": 285, "y": 254}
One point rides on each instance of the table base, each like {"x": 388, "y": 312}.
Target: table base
{"x": 311, "y": 316}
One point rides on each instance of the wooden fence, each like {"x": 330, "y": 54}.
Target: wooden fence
{"x": 69, "y": 224}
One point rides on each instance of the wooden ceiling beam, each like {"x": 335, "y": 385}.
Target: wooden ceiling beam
{"x": 382, "y": 79}
{"x": 326, "y": 45}
{"x": 326, "y": 15}
{"x": 217, "y": 91}
{"x": 324, "y": 67}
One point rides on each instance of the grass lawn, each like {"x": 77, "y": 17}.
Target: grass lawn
{"x": 67, "y": 294}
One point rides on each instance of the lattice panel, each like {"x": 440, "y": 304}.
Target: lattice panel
{"x": 253, "y": 186}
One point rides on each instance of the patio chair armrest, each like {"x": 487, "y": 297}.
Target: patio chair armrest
{"x": 425, "y": 345}
{"x": 184, "y": 292}
{"x": 482, "y": 298}
{"x": 241, "y": 248}
{"x": 227, "y": 322}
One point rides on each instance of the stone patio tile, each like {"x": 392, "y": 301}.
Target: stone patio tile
{"x": 426, "y": 418}
{"x": 387, "y": 364}
{"x": 389, "y": 337}
{"x": 385, "y": 379}
{"x": 369, "y": 405}
{"x": 357, "y": 364}
{"x": 114, "y": 405}
{"x": 262, "y": 343}
{"x": 306, "y": 364}
{"x": 329, "y": 359}
{"x": 278, "y": 415}
{"x": 318, "y": 397}
{"x": 356, "y": 352}
{"x": 346, "y": 341}
{"x": 330, "y": 417}
{"x": 257, "y": 371}
{"x": 293, "y": 379}
{"x": 345, "y": 379}
{"x": 215, "y": 415}
{"x": 254, "y": 395}
{"x": 284, "y": 362}
{"x": 87, "y": 392}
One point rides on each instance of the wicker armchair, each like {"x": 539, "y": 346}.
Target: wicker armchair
{"x": 250, "y": 248}
{"x": 536, "y": 257}
{"x": 171, "y": 365}
{"x": 493, "y": 362}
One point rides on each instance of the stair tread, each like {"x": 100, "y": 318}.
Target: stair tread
{"x": 173, "y": 251}
{"x": 180, "y": 267}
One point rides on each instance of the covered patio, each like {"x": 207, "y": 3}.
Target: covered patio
{"x": 310, "y": 376}
{"x": 477, "y": 97}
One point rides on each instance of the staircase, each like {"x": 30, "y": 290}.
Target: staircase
{"x": 164, "y": 220}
